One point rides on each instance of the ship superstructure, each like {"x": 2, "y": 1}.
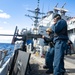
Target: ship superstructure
{"x": 71, "y": 30}
{"x": 47, "y": 21}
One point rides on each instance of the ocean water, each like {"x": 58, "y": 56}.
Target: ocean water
{"x": 9, "y": 48}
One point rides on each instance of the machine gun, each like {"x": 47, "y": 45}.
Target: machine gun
{"x": 25, "y": 35}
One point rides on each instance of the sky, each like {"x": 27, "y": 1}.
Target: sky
{"x": 12, "y": 13}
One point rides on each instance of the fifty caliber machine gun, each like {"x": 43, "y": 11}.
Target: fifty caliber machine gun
{"x": 25, "y": 35}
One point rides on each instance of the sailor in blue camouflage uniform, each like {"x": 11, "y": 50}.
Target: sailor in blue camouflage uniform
{"x": 60, "y": 38}
{"x": 50, "y": 53}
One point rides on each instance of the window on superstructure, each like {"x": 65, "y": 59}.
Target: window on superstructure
{"x": 70, "y": 31}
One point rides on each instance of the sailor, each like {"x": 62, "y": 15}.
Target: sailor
{"x": 69, "y": 47}
{"x": 60, "y": 38}
{"x": 50, "y": 53}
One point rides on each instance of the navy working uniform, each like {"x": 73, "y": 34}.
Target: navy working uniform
{"x": 60, "y": 39}
{"x": 50, "y": 53}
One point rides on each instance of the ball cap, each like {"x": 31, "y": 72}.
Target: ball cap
{"x": 49, "y": 29}
{"x": 57, "y": 15}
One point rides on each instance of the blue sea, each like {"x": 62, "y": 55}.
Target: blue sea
{"x": 10, "y": 49}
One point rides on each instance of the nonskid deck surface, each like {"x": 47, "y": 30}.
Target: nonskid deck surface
{"x": 70, "y": 58}
{"x": 37, "y": 63}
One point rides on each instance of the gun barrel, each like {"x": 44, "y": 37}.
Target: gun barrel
{"x": 6, "y": 35}
{"x": 34, "y": 36}
{"x": 9, "y": 35}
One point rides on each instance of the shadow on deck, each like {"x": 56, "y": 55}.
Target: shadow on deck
{"x": 69, "y": 70}
{"x": 37, "y": 63}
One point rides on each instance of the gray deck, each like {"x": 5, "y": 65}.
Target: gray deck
{"x": 38, "y": 62}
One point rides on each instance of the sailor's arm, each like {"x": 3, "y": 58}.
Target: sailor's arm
{"x": 59, "y": 26}
{"x": 46, "y": 39}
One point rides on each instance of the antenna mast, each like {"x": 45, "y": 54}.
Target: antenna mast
{"x": 36, "y": 17}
